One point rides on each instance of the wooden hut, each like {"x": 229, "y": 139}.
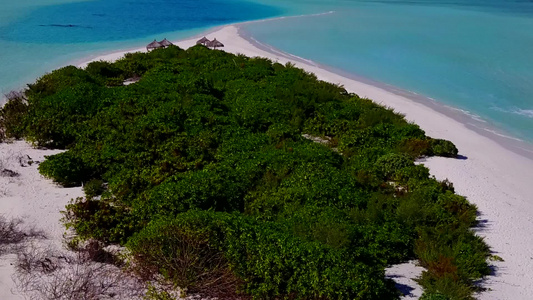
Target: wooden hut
{"x": 165, "y": 43}
{"x": 215, "y": 44}
{"x": 153, "y": 45}
{"x": 203, "y": 41}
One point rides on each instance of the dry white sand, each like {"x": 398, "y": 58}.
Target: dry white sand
{"x": 496, "y": 179}
{"x": 32, "y": 198}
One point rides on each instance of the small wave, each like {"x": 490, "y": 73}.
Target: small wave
{"x": 517, "y": 111}
{"x": 302, "y": 16}
{"x": 502, "y": 135}
{"x": 524, "y": 112}
{"x": 495, "y": 132}
{"x": 287, "y": 17}
{"x": 468, "y": 113}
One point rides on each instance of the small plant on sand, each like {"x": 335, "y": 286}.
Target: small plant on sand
{"x": 46, "y": 274}
{"x": 13, "y": 235}
{"x": 93, "y": 188}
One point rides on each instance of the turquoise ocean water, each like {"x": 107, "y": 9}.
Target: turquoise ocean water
{"x": 37, "y": 36}
{"x": 475, "y": 55}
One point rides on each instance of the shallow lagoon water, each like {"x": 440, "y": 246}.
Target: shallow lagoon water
{"x": 473, "y": 55}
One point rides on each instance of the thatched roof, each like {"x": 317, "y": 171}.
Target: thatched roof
{"x": 202, "y": 41}
{"x": 165, "y": 43}
{"x": 215, "y": 44}
{"x": 153, "y": 45}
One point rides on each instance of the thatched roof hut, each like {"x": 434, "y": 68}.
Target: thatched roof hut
{"x": 165, "y": 43}
{"x": 153, "y": 45}
{"x": 202, "y": 41}
{"x": 215, "y": 44}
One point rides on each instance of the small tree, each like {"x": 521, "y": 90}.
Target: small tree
{"x": 12, "y": 116}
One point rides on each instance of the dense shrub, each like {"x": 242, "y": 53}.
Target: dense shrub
{"x": 66, "y": 169}
{"x": 203, "y": 248}
{"x": 415, "y": 147}
{"x": 390, "y": 164}
{"x": 186, "y": 254}
{"x": 223, "y": 168}
{"x": 103, "y": 70}
{"x": 93, "y": 188}
{"x": 103, "y": 220}
{"x": 443, "y": 148}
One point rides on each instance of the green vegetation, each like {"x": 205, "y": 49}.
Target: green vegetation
{"x": 210, "y": 182}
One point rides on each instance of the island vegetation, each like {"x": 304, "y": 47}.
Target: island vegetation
{"x": 237, "y": 177}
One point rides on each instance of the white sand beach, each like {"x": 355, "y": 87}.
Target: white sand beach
{"x": 497, "y": 180}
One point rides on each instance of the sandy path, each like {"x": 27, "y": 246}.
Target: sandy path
{"x": 32, "y": 198}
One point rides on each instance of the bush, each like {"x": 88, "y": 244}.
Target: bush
{"x": 430, "y": 296}
{"x": 66, "y": 169}
{"x": 103, "y": 69}
{"x": 284, "y": 216}
{"x": 443, "y": 148}
{"x": 444, "y": 288}
{"x": 390, "y": 164}
{"x": 12, "y": 116}
{"x": 99, "y": 219}
{"x": 186, "y": 256}
{"x": 415, "y": 147}
{"x": 93, "y": 188}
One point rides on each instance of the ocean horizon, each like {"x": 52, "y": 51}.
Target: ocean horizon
{"x": 469, "y": 55}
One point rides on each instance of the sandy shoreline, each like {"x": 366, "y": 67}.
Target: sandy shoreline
{"x": 492, "y": 176}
